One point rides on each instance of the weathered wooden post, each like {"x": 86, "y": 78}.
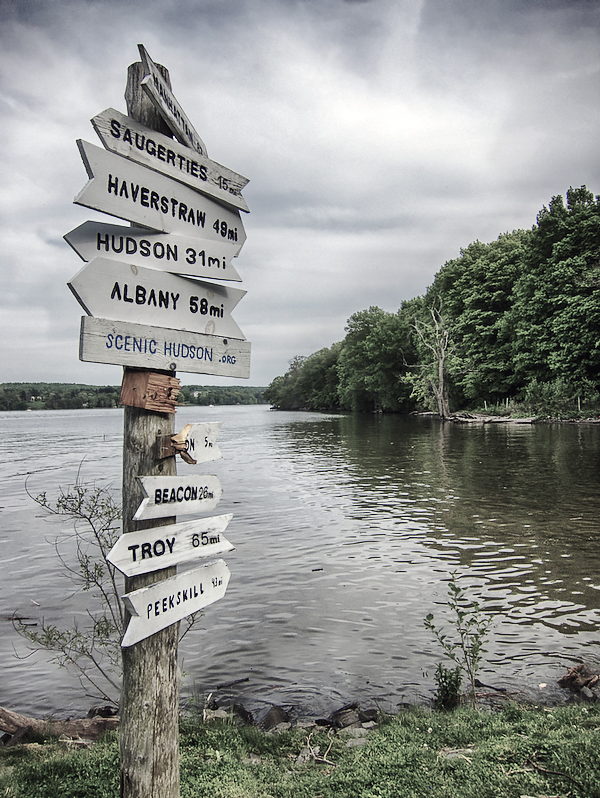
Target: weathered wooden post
{"x": 185, "y": 212}
{"x": 149, "y": 731}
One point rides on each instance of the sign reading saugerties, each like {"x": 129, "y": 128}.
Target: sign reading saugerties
{"x": 123, "y": 136}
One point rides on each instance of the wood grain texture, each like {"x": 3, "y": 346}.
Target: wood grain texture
{"x": 149, "y": 709}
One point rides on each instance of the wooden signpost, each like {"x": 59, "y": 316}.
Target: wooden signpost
{"x": 139, "y": 246}
{"x": 110, "y": 289}
{"x": 150, "y": 316}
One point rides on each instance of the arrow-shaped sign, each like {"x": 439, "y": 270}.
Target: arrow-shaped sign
{"x": 179, "y": 495}
{"x": 110, "y": 289}
{"x": 155, "y": 607}
{"x": 164, "y": 100}
{"x": 160, "y": 547}
{"x": 164, "y": 251}
{"x": 126, "y": 137}
{"x": 140, "y": 195}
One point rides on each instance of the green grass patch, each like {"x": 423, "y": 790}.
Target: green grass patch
{"x": 462, "y": 754}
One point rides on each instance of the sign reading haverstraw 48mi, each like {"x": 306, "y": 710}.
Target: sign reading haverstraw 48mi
{"x": 155, "y": 607}
{"x": 110, "y": 289}
{"x": 162, "y": 349}
{"x": 140, "y": 195}
{"x": 160, "y": 547}
{"x": 199, "y": 257}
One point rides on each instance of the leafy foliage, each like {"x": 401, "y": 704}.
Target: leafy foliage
{"x": 93, "y": 651}
{"x": 465, "y": 648}
{"x": 512, "y": 320}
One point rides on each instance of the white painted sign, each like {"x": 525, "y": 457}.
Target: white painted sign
{"x": 126, "y": 137}
{"x": 159, "y": 605}
{"x": 140, "y": 195}
{"x": 201, "y": 441}
{"x": 110, "y": 289}
{"x": 160, "y": 547}
{"x": 159, "y": 348}
{"x": 198, "y": 257}
{"x": 164, "y": 100}
{"x": 179, "y": 495}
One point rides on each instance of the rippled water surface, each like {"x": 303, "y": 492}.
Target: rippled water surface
{"x": 346, "y": 531}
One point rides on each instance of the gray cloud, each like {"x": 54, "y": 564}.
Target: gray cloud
{"x": 379, "y": 137}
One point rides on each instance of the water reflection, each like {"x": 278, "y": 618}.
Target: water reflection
{"x": 346, "y": 530}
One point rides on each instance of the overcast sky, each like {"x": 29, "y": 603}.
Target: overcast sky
{"x": 379, "y": 138}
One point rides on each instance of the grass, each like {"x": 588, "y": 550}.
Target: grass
{"x": 463, "y": 754}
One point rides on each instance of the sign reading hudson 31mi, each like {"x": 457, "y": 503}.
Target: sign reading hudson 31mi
{"x": 144, "y": 308}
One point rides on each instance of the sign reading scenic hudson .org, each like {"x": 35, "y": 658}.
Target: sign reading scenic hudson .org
{"x": 129, "y": 138}
{"x": 140, "y": 195}
{"x": 164, "y": 100}
{"x": 159, "y": 605}
{"x": 158, "y": 348}
{"x": 165, "y": 251}
{"x": 110, "y": 289}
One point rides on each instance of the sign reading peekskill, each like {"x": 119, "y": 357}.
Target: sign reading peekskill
{"x": 122, "y": 135}
{"x": 137, "y": 194}
{"x": 113, "y": 290}
{"x": 155, "y": 607}
{"x": 160, "y": 547}
{"x": 139, "y": 246}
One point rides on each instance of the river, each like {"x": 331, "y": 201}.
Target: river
{"x": 347, "y": 529}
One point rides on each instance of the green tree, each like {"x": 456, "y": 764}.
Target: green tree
{"x": 429, "y": 378}
{"x": 556, "y": 314}
{"x": 375, "y": 354}
{"x": 477, "y": 290}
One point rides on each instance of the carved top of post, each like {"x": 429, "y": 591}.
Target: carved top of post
{"x": 139, "y": 105}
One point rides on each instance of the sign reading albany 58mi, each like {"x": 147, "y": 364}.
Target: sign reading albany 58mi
{"x": 155, "y": 607}
{"x": 140, "y": 195}
{"x": 162, "y": 349}
{"x": 113, "y": 290}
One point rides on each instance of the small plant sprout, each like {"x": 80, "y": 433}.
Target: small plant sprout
{"x": 464, "y": 647}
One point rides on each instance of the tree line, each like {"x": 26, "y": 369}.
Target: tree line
{"x": 58, "y": 396}
{"x": 510, "y": 323}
